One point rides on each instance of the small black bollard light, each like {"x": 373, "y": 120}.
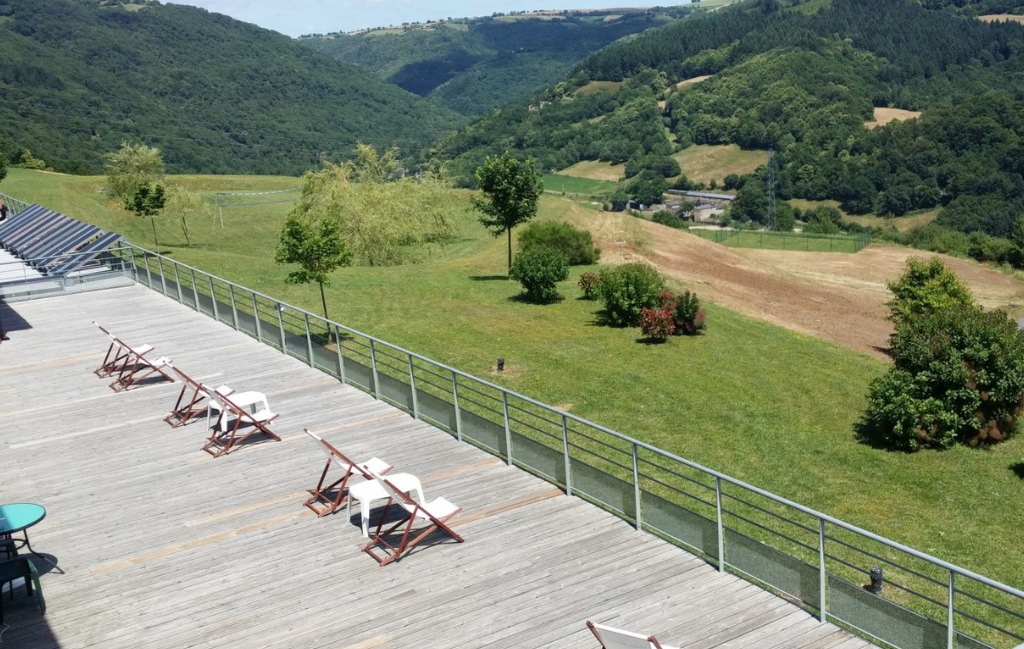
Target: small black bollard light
{"x": 501, "y": 364}
{"x": 876, "y": 580}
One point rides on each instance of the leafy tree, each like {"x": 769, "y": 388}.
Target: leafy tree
{"x": 130, "y": 167}
{"x": 316, "y": 244}
{"x": 539, "y": 271}
{"x": 3, "y": 167}
{"x": 647, "y": 187}
{"x": 147, "y": 202}
{"x": 574, "y": 244}
{"x": 924, "y": 288}
{"x": 751, "y": 204}
{"x": 628, "y": 289}
{"x": 824, "y": 220}
{"x": 512, "y": 189}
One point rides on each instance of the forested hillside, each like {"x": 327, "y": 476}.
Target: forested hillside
{"x": 802, "y": 79}
{"x": 474, "y": 65}
{"x": 215, "y": 95}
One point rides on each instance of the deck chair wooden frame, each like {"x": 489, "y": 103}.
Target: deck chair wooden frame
{"x": 320, "y": 500}
{"x": 612, "y": 638}
{"x": 184, "y": 411}
{"x": 137, "y": 367}
{"x": 115, "y": 357}
{"x": 221, "y": 441}
{"x": 438, "y": 511}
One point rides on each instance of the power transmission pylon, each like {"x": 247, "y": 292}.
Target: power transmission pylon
{"x": 770, "y": 221}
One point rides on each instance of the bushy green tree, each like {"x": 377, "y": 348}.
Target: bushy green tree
{"x": 147, "y": 202}
{"x": 131, "y": 166}
{"x": 924, "y": 288}
{"x": 539, "y": 271}
{"x": 184, "y": 204}
{"x": 511, "y": 190}
{"x": 628, "y": 289}
{"x": 315, "y": 243}
{"x": 576, "y": 245}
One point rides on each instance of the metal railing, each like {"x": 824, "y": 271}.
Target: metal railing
{"x": 20, "y": 280}
{"x": 769, "y": 240}
{"x": 816, "y": 560}
{"x": 13, "y": 204}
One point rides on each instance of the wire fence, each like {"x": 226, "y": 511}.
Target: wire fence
{"x": 881, "y": 589}
{"x": 770, "y": 240}
{"x": 13, "y": 204}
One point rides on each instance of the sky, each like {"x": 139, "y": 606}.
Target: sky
{"x": 297, "y": 17}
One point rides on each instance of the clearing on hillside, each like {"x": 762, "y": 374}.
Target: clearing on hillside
{"x": 885, "y": 115}
{"x": 595, "y": 170}
{"x": 901, "y": 223}
{"x": 596, "y": 86}
{"x": 686, "y": 83}
{"x": 706, "y": 162}
{"x": 838, "y": 297}
{"x": 991, "y": 18}
{"x": 573, "y": 185}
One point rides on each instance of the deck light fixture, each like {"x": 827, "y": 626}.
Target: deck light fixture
{"x": 501, "y": 364}
{"x": 876, "y": 580}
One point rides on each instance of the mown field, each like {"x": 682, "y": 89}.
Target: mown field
{"x": 572, "y": 185}
{"x": 706, "y": 162}
{"x": 759, "y": 402}
{"x": 779, "y": 240}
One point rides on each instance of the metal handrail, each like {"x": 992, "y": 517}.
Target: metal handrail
{"x": 626, "y": 438}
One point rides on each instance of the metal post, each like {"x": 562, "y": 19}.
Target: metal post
{"x": 412, "y": 385}
{"x": 135, "y": 269}
{"x": 149, "y": 273}
{"x": 309, "y": 341}
{"x": 508, "y": 429}
{"x": 341, "y": 357}
{"x": 822, "y": 574}
{"x": 280, "y": 323}
{"x": 565, "y": 454}
{"x": 234, "y": 307}
{"x": 177, "y": 281}
{"x": 458, "y": 410}
{"x": 195, "y": 290}
{"x": 163, "y": 280}
{"x": 636, "y": 488}
{"x": 950, "y": 628}
{"x": 721, "y": 527}
{"x": 373, "y": 364}
{"x": 213, "y": 296}
{"x": 256, "y": 317}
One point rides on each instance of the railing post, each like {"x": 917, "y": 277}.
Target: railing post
{"x": 177, "y": 282}
{"x": 341, "y": 356}
{"x": 950, "y": 628}
{"x": 213, "y": 296}
{"x": 508, "y": 429}
{"x": 412, "y": 386}
{"x": 256, "y": 318}
{"x": 822, "y": 574}
{"x": 309, "y": 341}
{"x": 565, "y": 454}
{"x": 163, "y": 280}
{"x": 234, "y": 307}
{"x": 149, "y": 273}
{"x": 280, "y": 323}
{"x": 373, "y": 365}
{"x": 195, "y": 290}
{"x": 458, "y": 410}
{"x": 135, "y": 269}
{"x": 721, "y": 527}
{"x": 636, "y": 488}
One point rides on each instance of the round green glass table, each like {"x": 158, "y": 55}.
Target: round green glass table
{"x": 18, "y": 517}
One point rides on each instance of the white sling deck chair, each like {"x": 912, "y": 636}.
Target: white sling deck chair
{"x": 184, "y": 411}
{"x": 137, "y": 367}
{"x": 612, "y": 638}
{"x": 116, "y": 355}
{"x": 322, "y": 493}
{"x": 437, "y": 513}
{"x": 222, "y": 440}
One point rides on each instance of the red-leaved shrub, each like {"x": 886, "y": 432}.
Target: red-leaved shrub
{"x": 657, "y": 324}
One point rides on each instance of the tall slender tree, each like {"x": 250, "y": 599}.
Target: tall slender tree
{"x": 316, "y": 245}
{"x": 511, "y": 189}
{"x": 147, "y": 202}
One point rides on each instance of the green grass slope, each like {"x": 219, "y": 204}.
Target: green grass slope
{"x": 759, "y": 402}
{"x": 214, "y": 94}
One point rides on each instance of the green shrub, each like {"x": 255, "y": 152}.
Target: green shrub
{"x": 958, "y": 378}
{"x": 628, "y": 289}
{"x": 926, "y": 287}
{"x": 689, "y": 317}
{"x": 576, "y": 245}
{"x": 657, "y": 324}
{"x": 665, "y": 217}
{"x": 539, "y": 271}
{"x": 590, "y": 285}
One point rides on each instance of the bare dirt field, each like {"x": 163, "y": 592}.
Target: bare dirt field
{"x": 1001, "y": 17}
{"x": 596, "y": 170}
{"x": 885, "y": 115}
{"x": 838, "y": 297}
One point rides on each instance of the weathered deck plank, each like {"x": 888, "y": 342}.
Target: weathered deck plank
{"x": 164, "y": 546}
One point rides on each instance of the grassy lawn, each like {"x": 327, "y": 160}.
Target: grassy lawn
{"x": 756, "y": 401}
{"x": 706, "y": 162}
{"x": 901, "y": 223}
{"x": 595, "y": 170}
{"x": 574, "y": 185}
{"x": 779, "y": 240}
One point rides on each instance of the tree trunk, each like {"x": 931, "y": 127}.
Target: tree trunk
{"x": 156, "y": 244}
{"x": 509, "y": 253}
{"x": 323, "y": 300}
{"x": 184, "y": 226}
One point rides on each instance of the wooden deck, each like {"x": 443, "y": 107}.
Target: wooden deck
{"x": 163, "y": 546}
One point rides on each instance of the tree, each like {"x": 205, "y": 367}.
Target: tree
{"x": 147, "y": 201}
{"x": 3, "y": 167}
{"x": 183, "y": 203}
{"x": 512, "y": 189}
{"x": 926, "y": 287}
{"x": 315, "y": 243}
{"x": 131, "y": 166}
{"x": 539, "y": 271}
